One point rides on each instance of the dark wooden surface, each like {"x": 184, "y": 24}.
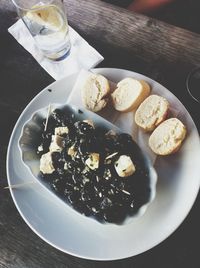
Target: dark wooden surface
{"x": 126, "y": 40}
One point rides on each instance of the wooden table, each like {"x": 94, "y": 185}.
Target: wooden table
{"x": 126, "y": 40}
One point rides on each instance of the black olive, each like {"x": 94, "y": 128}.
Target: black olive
{"x": 116, "y": 215}
{"x": 74, "y": 196}
{"x": 106, "y": 203}
{"x": 58, "y": 161}
{"x": 58, "y": 185}
{"x": 57, "y": 116}
{"x": 71, "y": 166}
{"x": 60, "y": 171}
{"x": 99, "y": 193}
{"x": 84, "y": 197}
{"x": 89, "y": 189}
{"x": 83, "y": 148}
{"x": 79, "y": 206}
{"x": 68, "y": 189}
{"x": 84, "y": 129}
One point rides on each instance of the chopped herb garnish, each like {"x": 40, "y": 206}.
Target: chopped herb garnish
{"x": 88, "y": 171}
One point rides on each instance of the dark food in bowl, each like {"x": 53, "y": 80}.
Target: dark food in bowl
{"x": 82, "y": 165}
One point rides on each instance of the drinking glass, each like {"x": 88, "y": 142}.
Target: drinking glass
{"x": 193, "y": 84}
{"x": 47, "y": 22}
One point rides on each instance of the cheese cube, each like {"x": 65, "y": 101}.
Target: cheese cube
{"x": 46, "y": 163}
{"x": 56, "y": 144}
{"x": 61, "y": 130}
{"x": 124, "y": 166}
{"x": 93, "y": 161}
{"x": 71, "y": 151}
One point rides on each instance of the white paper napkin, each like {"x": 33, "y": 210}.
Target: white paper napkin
{"x": 82, "y": 55}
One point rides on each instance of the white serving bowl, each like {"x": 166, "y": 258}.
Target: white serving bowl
{"x": 31, "y": 133}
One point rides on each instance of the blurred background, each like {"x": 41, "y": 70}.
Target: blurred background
{"x": 182, "y": 13}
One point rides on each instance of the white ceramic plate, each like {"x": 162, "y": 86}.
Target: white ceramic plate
{"x": 63, "y": 228}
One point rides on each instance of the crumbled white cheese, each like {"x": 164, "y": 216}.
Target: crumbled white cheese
{"x": 124, "y": 166}
{"x": 85, "y": 170}
{"x": 56, "y": 144}
{"x": 107, "y": 174}
{"x": 89, "y": 122}
{"x": 65, "y": 166}
{"x": 71, "y": 151}
{"x": 111, "y": 133}
{"x": 61, "y": 130}
{"x": 40, "y": 148}
{"x": 93, "y": 161}
{"x": 46, "y": 163}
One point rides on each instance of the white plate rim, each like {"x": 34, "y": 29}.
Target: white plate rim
{"x": 100, "y": 70}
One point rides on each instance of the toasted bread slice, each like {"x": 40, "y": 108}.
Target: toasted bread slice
{"x": 129, "y": 94}
{"x": 167, "y": 137}
{"x": 151, "y": 112}
{"x": 95, "y": 91}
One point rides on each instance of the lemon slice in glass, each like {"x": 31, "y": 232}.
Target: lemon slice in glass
{"x": 47, "y": 16}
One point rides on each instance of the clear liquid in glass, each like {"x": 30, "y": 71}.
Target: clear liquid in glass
{"x": 48, "y": 25}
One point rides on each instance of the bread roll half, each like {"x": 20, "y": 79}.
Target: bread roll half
{"x": 129, "y": 94}
{"x": 151, "y": 112}
{"x": 94, "y": 92}
{"x": 167, "y": 137}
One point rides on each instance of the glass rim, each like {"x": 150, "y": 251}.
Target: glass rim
{"x": 187, "y": 83}
{"x": 28, "y": 9}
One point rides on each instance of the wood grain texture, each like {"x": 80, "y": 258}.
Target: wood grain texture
{"x": 146, "y": 37}
{"x": 131, "y": 41}
{"x": 141, "y": 35}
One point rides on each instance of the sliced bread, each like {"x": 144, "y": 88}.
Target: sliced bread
{"x": 129, "y": 94}
{"x": 167, "y": 137}
{"x": 151, "y": 112}
{"x": 95, "y": 92}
